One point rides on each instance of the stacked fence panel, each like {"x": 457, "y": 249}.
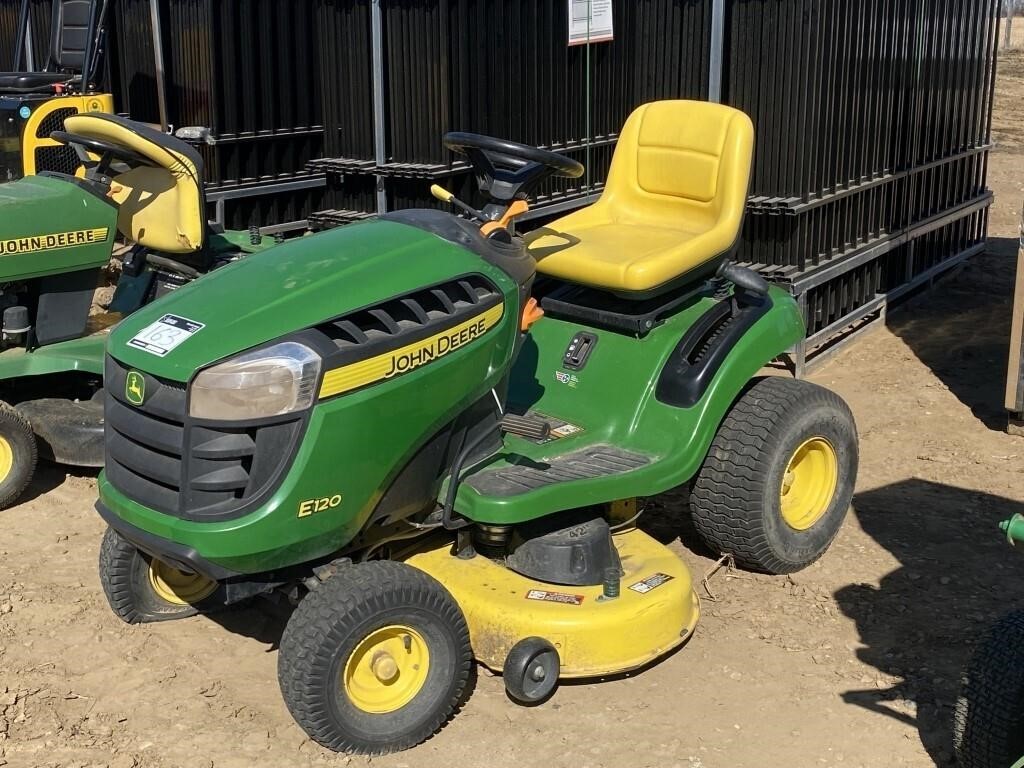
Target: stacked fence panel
{"x": 503, "y": 68}
{"x": 873, "y": 124}
{"x": 873, "y": 118}
{"x": 250, "y": 71}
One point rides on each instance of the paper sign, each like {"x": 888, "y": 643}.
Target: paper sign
{"x": 590, "y": 21}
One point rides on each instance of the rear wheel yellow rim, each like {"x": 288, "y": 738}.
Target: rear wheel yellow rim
{"x": 177, "y": 587}
{"x": 809, "y": 483}
{"x": 6, "y": 458}
{"x": 386, "y": 670}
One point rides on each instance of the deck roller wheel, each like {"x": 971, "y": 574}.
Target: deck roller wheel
{"x": 531, "y": 670}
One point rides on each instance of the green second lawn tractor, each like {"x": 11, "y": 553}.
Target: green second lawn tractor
{"x": 432, "y": 450}
{"x": 57, "y": 234}
{"x": 988, "y": 727}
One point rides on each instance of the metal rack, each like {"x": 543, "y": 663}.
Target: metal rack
{"x": 873, "y": 117}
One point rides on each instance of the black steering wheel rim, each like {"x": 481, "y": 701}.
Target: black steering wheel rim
{"x": 102, "y": 148}
{"x": 560, "y": 165}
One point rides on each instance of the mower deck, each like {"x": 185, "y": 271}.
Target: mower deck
{"x": 655, "y": 611}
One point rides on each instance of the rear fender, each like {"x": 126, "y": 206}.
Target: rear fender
{"x": 737, "y": 358}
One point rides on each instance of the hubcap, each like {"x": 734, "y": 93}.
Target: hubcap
{"x": 6, "y": 458}
{"x": 177, "y": 587}
{"x": 386, "y": 670}
{"x": 809, "y": 483}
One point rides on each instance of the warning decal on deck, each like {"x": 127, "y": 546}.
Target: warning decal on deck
{"x": 554, "y": 597}
{"x": 651, "y": 582}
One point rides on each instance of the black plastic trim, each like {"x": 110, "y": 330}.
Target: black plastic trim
{"x": 86, "y": 186}
{"x": 699, "y": 355}
{"x": 159, "y": 456}
{"x": 602, "y": 309}
{"x": 511, "y": 258}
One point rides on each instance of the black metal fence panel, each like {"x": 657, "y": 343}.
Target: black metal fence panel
{"x": 873, "y": 117}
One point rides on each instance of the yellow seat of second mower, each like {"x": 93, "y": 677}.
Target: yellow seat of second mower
{"x": 162, "y": 205}
{"x": 673, "y": 202}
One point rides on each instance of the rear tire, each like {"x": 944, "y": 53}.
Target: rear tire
{"x": 141, "y": 589}
{"x": 988, "y": 727}
{"x": 375, "y": 659}
{"x": 779, "y": 477}
{"x": 19, "y": 455}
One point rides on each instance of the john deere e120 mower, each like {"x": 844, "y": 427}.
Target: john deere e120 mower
{"x": 57, "y": 232}
{"x": 432, "y": 452}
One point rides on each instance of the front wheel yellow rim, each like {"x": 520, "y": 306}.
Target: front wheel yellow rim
{"x": 809, "y": 483}
{"x": 177, "y": 587}
{"x": 6, "y": 458}
{"x": 386, "y": 670}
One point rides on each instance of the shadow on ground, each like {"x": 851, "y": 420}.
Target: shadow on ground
{"x": 49, "y": 476}
{"x": 956, "y": 575}
{"x": 961, "y": 330}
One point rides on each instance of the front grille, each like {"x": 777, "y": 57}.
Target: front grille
{"x": 195, "y": 470}
{"x": 54, "y": 122}
{"x": 57, "y": 160}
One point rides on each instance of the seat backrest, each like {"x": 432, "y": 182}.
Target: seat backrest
{"x": 682, "y": 164}
{"x": 70, "y": 25}
{"x": 161, "y": 206}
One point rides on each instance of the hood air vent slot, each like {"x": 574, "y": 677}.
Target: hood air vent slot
{"x": 406, "y": 319}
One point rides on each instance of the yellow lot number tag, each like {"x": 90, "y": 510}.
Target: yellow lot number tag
{"x": 312, "y": 506}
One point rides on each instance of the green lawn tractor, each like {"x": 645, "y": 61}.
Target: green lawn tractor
{"x": 435, "y": 453}
{"x": 988, "y": 728}
{"x": 57, "y": 233}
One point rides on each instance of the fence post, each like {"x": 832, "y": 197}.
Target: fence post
{"x": 717, "y": 50}
{"x": 379, "y": 129}
{"x": 158, "y": 63}
{"x": 1010, "y": 7}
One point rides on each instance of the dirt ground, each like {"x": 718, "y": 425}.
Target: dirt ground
{"x": 853, "y": 662}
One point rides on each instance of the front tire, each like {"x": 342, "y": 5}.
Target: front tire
{"x": 18, "y": 455}
{"x": 375, "y": 659}
{"x": 141, "y": 589}
{"x": 988, "y": 727}
{"x": 779, "y": 477}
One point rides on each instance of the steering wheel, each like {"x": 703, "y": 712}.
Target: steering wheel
{"x": 506, "y": 170}
{"x": 101, "y": 148}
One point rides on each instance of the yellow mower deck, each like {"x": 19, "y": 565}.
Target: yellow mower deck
{"x": 656, "y": 610}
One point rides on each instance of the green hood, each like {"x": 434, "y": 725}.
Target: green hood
{"x": 291, "y": 287}
{"x": 49, "y": 226}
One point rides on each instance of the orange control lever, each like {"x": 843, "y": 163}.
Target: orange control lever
{"x": 518, "y": 208}
{"x": 531, "y": 314}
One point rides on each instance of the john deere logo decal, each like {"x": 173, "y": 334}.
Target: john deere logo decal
{"x": 392, "y": 364}
{"x": 51, "y": 242}
{"x": 135, "y": 388}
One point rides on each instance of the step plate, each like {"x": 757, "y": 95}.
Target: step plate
{"x": 596, "y": 461}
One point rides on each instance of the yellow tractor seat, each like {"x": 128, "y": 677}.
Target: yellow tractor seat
{"x": 160, "y": 206}
{"x": 672, "y": 206}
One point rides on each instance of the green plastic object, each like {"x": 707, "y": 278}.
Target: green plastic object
{"x": 85, "y": 355}
{"x": 1014, "y": 530}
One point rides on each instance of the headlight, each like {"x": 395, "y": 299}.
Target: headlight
{"x": 269, "y": 382}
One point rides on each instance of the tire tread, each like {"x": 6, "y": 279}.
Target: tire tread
{"x": 358, "y": 591}
{"x": 726, "y": 499}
